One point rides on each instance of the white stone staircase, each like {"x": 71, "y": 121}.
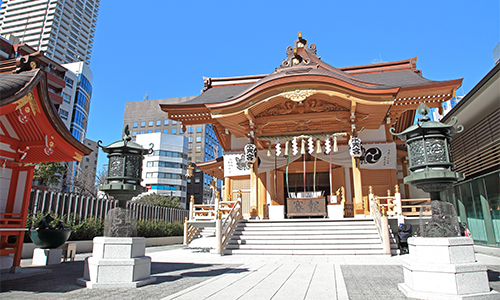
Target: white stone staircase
{"x": 306, "y": 237}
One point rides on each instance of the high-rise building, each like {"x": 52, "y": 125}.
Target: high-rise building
{"x": 63, "y": 29}
{"x": 164, "y": 170}
{"x": 147, "y": 117}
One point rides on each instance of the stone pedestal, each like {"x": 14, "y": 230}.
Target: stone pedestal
{"x": 444, "y": 268}
{"x": 44, "y": 257}
{"x": 117, "y": 262}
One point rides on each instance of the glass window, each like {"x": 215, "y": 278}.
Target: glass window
{"x": 158, "y": 122}
{"x": 158, "y": 130}
{"x": 197, "y": 180}
{"x": 165, "y": 130}
{"x": 174, "y": 122}
{"x": 174, "y": 131}
{"x": 150, "y": 131}
{"x": 69, "y": 82}
{"x": 136, "y": 124}
{"x": 198, "y": 139}
{"x": 190, "y": 147}
{"x": 66, "y": 98}
{"x": 198, "y": 148}
{"x": 165, "y": 122}
{"x": 134, "y": 133}
{"x": 143, "y": 123}
{"x": 190, "y": 129}
{"x": 142, "y": 132}
{"x": 150, "y": 123}
{"x": 180, "y": 130}
{"x": 198, "y": 129}
{"x": 188, "y": 180}
{"x": 64, "y": 114}
{"x": 190, "y": 139}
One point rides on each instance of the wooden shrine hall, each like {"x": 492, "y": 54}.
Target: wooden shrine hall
{"x": 31, "y": 131}
{"x": 301, "y": 119}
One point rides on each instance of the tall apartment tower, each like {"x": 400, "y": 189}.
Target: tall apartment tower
{"x": 63, "y": 29}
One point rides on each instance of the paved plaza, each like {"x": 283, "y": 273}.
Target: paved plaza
{"x": 196, "y": 274}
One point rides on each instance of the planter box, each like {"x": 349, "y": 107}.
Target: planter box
{"x": 86, "y": 246}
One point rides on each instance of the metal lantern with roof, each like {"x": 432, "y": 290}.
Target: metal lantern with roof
{"x": 124, "y": 168}
{"x": 430, "y": 159}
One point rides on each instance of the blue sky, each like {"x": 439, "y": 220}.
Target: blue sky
{"x": 166, "y": 47}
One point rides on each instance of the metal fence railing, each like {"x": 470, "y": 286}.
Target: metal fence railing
{"x": 72, "y": 205}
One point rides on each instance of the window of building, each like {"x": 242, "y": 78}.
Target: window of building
{"x": 190, "y": 147}
{"x": 165, "y": 122}
{"x": 64, "y": 114}
{"x": 134, "y": 133}
{"x": 69, "y": 82}
{"x": 158, "y": 122}
{"x": 190, "y": 139}
{"x": 197, "y": 180}
{"x": 198, "y": 139}
{"x": 66, "y": 98}
{"x": 180, "y": 130}
{"x": 190, "y": 129}
{"x": 198, "y": 129}
{"x": 150, "y": 131}
{"x": 174, "y": 122}
{"x": 142, "y": 132}
{"x": 143, "y": 123}
{"x": 188, "y": 180}
{"x": 150, "y": 123}
{"x": 165, "y": 130}
{"x": 158, "y": 130}
{"x": 198, "y": 148}
{"x": 136, "y": 124}
{"x": 174, "y": 131}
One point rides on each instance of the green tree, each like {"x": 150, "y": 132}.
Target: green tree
{"x": 49, "y": 174}
{"x": 160, "y": 200}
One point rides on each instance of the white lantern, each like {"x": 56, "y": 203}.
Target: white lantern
{"x": 250, "y": 153}
{"x": 355, "y": 147}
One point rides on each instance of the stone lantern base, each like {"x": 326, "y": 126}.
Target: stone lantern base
{"x": 117, "y": 262}
{"x": 444, "y": 268}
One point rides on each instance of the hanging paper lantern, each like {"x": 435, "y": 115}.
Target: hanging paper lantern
{"x": 310, "y": 144}
{"x": 278, "y": 147}
{"x": 328, "y": 145}
{"x": 335, "y": 148}
{"x": 295, "y": 148}
{"x": 287, "y": 145}
{"x": 355, "y": 147}
{"x": 250, "y": 153}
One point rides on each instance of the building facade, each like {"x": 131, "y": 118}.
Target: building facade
{"x": 63, "y": 29}
{"x": 164, "y": 170}
{"x": 476, "y": 153}
{"x": 145, "y": 117}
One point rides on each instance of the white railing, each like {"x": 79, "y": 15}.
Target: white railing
{"x": 226, "y": 223}
{"x": 379, "y": 215}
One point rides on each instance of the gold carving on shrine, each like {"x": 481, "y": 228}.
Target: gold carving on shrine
{"x": 28, "y": 99}
{"x": 299, "y": 95}
{"x": 78, "y": 156}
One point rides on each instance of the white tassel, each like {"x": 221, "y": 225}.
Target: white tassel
{"x": 318, "y": 146}
{"x": 287, "y": 145}
{"x": 295, "y": 148}
{"x": 328, "y": 145}
{"x": 311, "y": 145}
{"x": 303, "y": 146}
{"x": 278, "y": 148}
{"x": 335, "y": 148}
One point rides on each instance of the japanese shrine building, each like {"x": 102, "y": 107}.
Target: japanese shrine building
{"x": 297, "y": 114}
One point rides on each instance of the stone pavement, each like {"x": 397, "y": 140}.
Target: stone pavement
{"x": 195, "y": 274}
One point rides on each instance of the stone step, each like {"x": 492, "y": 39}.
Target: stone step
{"x": 305, "y": 232}
{"x": 306, "y": 247}
{"x": 303, "y": 242}
{"x": 257, "y": 236}
{"x": 315, "y": 227}
{"x": 305, "y": 252}
{"x": 308, "y": 222}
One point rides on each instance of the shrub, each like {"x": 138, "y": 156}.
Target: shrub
{"x": 87, "y": 229}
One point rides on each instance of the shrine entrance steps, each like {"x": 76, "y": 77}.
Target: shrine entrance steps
{"x": 307, "y": 237}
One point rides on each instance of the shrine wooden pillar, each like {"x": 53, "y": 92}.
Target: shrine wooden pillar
{"x": 254, "y": 189}
{"x": 358, "y": 191}
{"x": 228, "y": 188}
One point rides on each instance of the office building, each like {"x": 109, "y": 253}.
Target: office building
{"x": 63, "y": 29}
{"x": 164, "y": 170}
{"x": 147, "y": 117}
